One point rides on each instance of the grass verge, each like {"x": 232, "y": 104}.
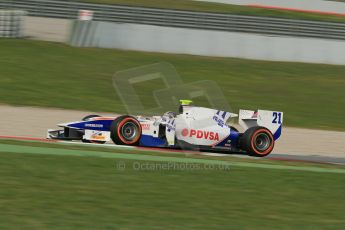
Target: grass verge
{"x": 55, "y": 75}
{"x": 108, "y": 151}
{"x": 42, "y": 191}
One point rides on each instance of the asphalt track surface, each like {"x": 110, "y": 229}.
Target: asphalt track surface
{"x": 273, "y": 156}
{"x": 294, "y": 141}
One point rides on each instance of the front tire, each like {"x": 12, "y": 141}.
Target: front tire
{"x": 125, "y": 130}
{"x": 257, "y": 141}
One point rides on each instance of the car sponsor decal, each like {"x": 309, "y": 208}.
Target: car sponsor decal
{"x": 219, "y": 121}
{"x": 94, "y": 125}
{"x": 219, "y": 118}
{"x": 145, "y": 126}
{"x": 98, "y": 136}
{"x": 200, "y": 134}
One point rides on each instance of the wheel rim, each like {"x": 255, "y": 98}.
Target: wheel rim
{"x": 262, "y": 142}
{"x": 129, "y": 131}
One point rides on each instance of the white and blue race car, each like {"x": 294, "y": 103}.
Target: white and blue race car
{"x": 192, "y": 128}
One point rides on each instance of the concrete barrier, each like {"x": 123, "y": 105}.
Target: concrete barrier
{"x": 47, "y": 29}
{"x": 207, "y": 43}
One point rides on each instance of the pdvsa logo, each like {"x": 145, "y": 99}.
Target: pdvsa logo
{"x": 201, "y": 134}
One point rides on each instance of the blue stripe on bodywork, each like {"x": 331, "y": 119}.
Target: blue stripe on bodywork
{"x": 231, "y": 140}
{"x": 278, "y": 133}
{"x": 150, "y": 141}
{"x": 100, "y": 125}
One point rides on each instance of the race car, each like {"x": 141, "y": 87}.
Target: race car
{"x": 191, "y": 128}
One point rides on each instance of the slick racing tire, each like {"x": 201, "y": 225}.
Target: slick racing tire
{"x": 257, "y": 141}
{"x": 125, "y": 130}
{"x": 88, "y": 117}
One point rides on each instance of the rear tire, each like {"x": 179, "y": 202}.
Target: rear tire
{"x": 257, "y": 141}
{"x": 125, "y": 130}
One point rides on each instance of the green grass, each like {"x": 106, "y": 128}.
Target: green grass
{"x": 222, "y": 8}
{"x": 148, "y": 153}
{"x": 55, "y": 75}
{"x": 76, "y": 192}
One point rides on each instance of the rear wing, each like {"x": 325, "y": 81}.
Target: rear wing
{"x": 272, "y": 120}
